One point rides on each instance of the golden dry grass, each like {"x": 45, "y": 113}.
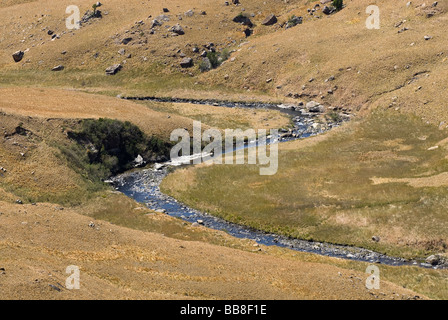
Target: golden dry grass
{"x": 372, "y": 69}
{"x": 121, "y": 263}
{"x": 69, "y": 104}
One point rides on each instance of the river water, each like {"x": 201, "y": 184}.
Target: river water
{"x": 143, "y": 186}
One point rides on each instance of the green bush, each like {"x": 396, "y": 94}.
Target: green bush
{"x": 106, "y": 147}
{"x": 338, "y": 4}
{"x": 215, "y": 59}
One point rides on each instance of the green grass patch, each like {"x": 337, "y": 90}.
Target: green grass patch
{"x": 326, "y": 193}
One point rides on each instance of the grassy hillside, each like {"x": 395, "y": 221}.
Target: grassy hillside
{"x": 374, "y": 177}
{"x": 380, "y": 175}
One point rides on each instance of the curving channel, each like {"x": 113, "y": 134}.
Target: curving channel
{"x": 143, "y": 185}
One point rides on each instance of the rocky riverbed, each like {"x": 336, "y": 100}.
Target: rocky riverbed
{"x": 309, "y": 119}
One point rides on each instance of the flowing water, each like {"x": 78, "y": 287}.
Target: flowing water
{"x": 143, "y": 186}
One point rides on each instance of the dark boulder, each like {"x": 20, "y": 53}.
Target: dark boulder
{"x": 243, "y": 20}
{"x": 18, "y": 56}
{"x": 270, "y": 20}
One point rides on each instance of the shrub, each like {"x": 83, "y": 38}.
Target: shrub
{"x": 293, "y": 21}
{"x": 214, "y": 60}
{"x": 338, "y": 4}
{"x": 106, "y": 147}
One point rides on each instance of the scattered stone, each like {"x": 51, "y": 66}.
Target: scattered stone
{"x": 18, "y": 201}
{"x": 186, "y": 63}
{"x": 126, "y": 40}
{"x": 58, "y": 68}
{"x": 376, "y": 239}
{"x": 314, "y": 107}
{"x": 18, "y": 56}
{"x": 156, "y": 23}
{"x": 270, "y": 20}
{"x": 248, "y": 32}
{"x": 328, "y": 10}
{"x": 427, "y": 38}
{"x": 245, "y": 21}
{"x": 177, "y": 29}
{"x": 163, "y": 18}
{"x": 433, "y": 260}
{"x": 112, "y": 70}
{"x": 54, "y": 287}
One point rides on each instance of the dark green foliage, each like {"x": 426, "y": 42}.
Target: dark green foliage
{"x": 338, "y": 4}
{"x": 106, "y": 147}
{"x": 215, "y": 58}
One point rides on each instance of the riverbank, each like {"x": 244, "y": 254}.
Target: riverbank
{"x": 144, "y": 187}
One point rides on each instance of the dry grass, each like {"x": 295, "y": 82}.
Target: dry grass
{"x": 327, "y": 179}
{"x": 121, "y": 263}
{"x": 69, "y": 104}
{"x": 226, "y": 118}
{"x": 359, "y": 57}
{"x": 313, "y": 197}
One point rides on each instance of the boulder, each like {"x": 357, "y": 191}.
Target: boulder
{"x": 243, "y": 20}
{"x": 314, "y": 107}
{"x": 270, "y": 20}
{"x": 113, "y": 69}
{"x": 156, "y": 23}
{"x": 186, "y": 63}
{"x": 58, "y": 68}
{"x": 126, "y": 40}
{"x": 18, "y": 56}
{"x": 189, "y": 13}
{"x": 433, "y": 260}
{"x": 139, "y": 161}
{"x": 206, "y": 65}
{"x": 328, "y": 10}
{"x": 177, "y": 29}
{"x": 163, "y": 17}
